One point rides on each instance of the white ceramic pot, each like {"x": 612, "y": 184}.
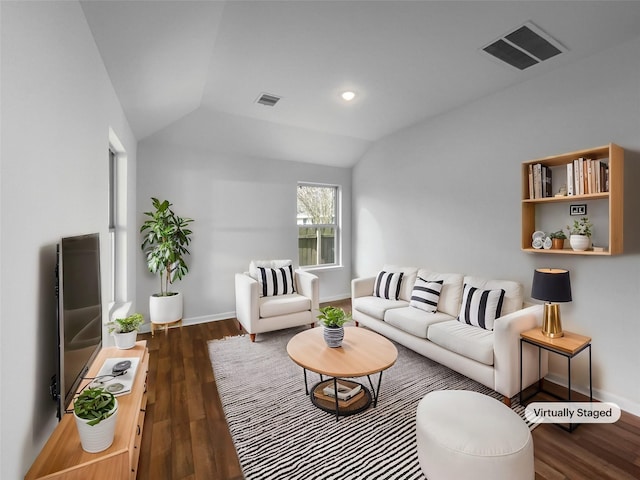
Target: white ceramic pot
{"x": 125, "y": 341}
{"x": 96, "y": 438}
{"x": 579, "y": 243}
{"x": 166, "y": 309}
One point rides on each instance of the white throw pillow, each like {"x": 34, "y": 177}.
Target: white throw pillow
{"x": 276, "y": 281}
{"x": 425, "y": 295}
{"x": 387, "y": 285}
{"x": 480, "y": 307}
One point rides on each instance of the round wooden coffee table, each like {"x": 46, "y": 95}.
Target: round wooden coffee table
{"x": 362, "y": 354}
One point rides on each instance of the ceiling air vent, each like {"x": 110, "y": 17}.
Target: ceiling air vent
{"x": 268, "y": 99}
{"x": 524, "y": 47}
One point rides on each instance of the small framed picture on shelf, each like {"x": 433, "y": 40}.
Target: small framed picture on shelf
{"x": 579, "y": 209}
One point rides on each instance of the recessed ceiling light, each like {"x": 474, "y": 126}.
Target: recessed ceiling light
{"x": 348, "y": 95}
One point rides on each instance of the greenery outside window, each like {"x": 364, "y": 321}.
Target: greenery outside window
{"x": 318, "y": 229}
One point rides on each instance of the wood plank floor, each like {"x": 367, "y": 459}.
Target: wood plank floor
{"x": 186, "y": 435}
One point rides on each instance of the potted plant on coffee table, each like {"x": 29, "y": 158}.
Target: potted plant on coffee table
{"x": 125, "y": 330}
{"x": 95, "y": 411}
{"x": 580, "y": 231}
{"x": 557, "y": 240}
{"x": 333, "y": 320}
{"x": 165, "y": 240}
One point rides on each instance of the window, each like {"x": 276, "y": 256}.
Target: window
{"x": 318, "y": 229}
{"x": 113, "y": 220}
{"x": 117, "y": 218}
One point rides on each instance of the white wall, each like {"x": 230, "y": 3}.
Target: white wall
{"x": 445, "y": 194}
{"x": 57, "y": 107}
{"x": 244, "y": 208}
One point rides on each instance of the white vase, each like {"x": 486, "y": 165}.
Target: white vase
{"x": 125, "y": 341}
{"x": 579, "y": 243}
{"x": 99, "y": 437}
{"x": 165, "y": 309}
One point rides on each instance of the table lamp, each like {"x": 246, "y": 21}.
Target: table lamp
{"x": 551, "y": 285}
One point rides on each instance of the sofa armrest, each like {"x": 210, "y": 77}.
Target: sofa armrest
{"x": 362, "y": 287}
{"x": 247, "y": 311}
{"x": 309, "y": 286}
{"x": 506, "y": 348}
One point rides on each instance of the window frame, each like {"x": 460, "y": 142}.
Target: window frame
{"x": 337, "y": 226}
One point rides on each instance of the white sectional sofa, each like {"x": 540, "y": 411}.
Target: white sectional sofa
{"x": 489, "y": 356}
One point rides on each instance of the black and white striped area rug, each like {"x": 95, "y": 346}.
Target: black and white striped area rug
{"x": 280, "y": 435}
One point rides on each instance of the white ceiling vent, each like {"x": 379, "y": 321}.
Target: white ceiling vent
{"x": 524, "y": 47}
{"x": 268, "y": 99}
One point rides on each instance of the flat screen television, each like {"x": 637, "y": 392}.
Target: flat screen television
{"x": 79, "y": 313}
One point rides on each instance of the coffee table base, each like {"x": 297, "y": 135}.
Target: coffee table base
{"x": 350, "y": 407}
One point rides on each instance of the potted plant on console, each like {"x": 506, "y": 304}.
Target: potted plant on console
{"x": 580, "y": 239}
{"x": 95, "y": 411}
{"x": 165, "y": 240}
{"x": 557, "y": 240}
{"x": 125, "y": 330}
{"x": 333, "y": 320}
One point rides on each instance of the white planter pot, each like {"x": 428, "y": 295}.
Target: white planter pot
{"x": 96, "y": 438}
{"x": 125, "y": 341}
{"x": 165, "y": 309}
{"x": 579, "y": 243}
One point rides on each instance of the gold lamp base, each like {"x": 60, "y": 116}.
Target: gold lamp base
{"x": 551, "y": 326}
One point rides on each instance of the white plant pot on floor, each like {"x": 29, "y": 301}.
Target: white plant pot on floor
{"x": 125, "y": 341}
{"x": 167, "y": 309}
{"x": 96, "y": 438}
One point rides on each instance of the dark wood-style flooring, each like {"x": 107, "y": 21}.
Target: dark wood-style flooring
{"x": 186, "y": 435}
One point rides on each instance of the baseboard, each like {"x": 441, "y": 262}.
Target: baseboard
{"x": 336, "y": 298}
{"x": 625, "y": 404}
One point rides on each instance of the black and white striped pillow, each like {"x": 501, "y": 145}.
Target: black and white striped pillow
{"x": 425, "y": 295}
{"x": 387, "y": 285}
{"x": 480, "y": 307}
{"x": 276, "y": 281}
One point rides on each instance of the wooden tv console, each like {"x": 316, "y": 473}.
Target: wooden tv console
{"x": 62, "y": 456}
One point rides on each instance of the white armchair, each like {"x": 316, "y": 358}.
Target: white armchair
{"x": 258, "y": 313}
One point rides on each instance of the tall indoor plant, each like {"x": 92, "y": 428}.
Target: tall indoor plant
{"x": 165, "y": 240}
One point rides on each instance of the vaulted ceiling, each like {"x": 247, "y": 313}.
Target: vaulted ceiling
{"x": 194, "y": 69}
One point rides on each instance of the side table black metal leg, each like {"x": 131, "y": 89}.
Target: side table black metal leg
{"x": 520, "y": 397}
{"x": 335, "y": 392}
{"x": 590, "y": 380}
{"x": 306, "y": 386}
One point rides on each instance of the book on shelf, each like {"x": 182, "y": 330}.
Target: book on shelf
{"x": 341, "y": 403}
{"x": 345, "y": 392}
{"x": 570, "y": 183}
{"x": 587, "y": 176}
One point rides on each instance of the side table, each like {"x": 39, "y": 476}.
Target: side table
{"x": 569, "y": 345}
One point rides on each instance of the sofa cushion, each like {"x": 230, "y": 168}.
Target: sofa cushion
{"x": 513, "y": 291}
{"x": 414, "y": 321}
{"x": 480, "y": 307}
{"x": 375, "y": 306}
{"x": 276, "y": 281}
{"x": 408, "y": 279}
{"x": 425, "y": 295}
{"x": 451, "y": 293}
{"x": 387, "y": 285}
{"x": 466, "y": 340}
{"x": 283, "y": 305}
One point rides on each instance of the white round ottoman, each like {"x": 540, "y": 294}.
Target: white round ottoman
{"x": 467, "y": 435}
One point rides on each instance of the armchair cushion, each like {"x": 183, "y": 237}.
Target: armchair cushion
{"x": 283, "y": 305}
